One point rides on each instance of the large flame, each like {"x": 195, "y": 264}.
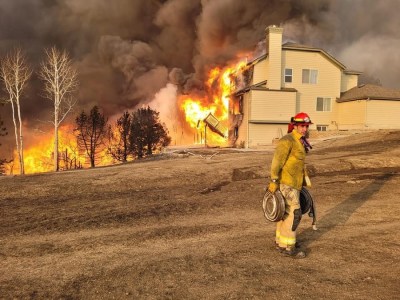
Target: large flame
{"x": 219, "y": 86}
{"x": 40, "y": 157}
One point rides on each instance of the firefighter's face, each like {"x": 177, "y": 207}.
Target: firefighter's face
{"x": 302, "y": 129}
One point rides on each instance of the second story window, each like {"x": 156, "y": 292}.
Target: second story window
{"x": 310, "y": 76}
{"x": 323, "y": 104}
{"x": 322, "y": 127}
{"x": 288, "y": 75}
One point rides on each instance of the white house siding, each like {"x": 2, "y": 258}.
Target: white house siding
{"x": 272, "y": 106}
{"x": 382, "y": 114}
{"x": 244, "y": 127}
{"x": 263, "y": 134}
{"x": 328, "y": 83}
{"x": 260, "y": 71}
{"x": 351, "y": 115}
{"x": 348, "y": 82}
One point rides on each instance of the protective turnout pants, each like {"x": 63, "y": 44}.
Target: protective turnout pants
{"x": 286, "y": 228}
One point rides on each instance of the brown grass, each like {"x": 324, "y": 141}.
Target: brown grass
{"x": 191, "y": 227}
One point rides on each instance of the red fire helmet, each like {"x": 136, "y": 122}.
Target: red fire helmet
{"x": 301, "y": 119}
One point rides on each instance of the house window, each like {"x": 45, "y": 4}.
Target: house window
{"x": 236, "y": 132}
{"x": 309, "y": 76}
{"x": 323, "y": 104}
{"x": 322, "y": 127}
{"x": 288, "y": 75}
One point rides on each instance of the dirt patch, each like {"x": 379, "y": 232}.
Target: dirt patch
{"x": 188, "y": 224}
{"x": 244, "y": 174}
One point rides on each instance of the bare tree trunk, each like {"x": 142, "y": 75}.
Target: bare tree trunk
{"x": 56, "y": 163}
{"x": 21, "y": 141}
{"x": 92, "y": 154}
{"x": 60, "y": 80}
{"x": 15, "y": 73}
{"x": 21, "y": 149}
{"x": 16, "y": 136}
{"x": 66, "y": 159}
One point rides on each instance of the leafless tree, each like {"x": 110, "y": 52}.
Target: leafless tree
{"x": 118, "y": 138}
{"x": 15, "y": 73}
{"x": 91, "y": 133}
{"x": 60, "y": 82}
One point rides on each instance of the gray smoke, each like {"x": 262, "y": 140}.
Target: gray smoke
{"x": 128, "y": 50}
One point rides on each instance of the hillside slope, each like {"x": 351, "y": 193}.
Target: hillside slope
{"x": 189, "y": 225}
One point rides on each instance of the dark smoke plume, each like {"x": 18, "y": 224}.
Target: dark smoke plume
{"x": 127, "y": 51}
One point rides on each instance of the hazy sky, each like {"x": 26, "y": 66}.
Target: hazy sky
{"x": 128, "y": 50}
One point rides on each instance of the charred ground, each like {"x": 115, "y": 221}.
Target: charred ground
{"x": 189, "y": 225}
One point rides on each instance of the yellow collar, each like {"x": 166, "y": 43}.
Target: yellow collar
{"x": 296, "y": 134}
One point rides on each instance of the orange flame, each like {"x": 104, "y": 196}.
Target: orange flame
{"x": 219, "y": 86}
{"x": 39, "y": 157}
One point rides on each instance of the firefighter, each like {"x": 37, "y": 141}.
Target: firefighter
{"x": 288, "y": 175}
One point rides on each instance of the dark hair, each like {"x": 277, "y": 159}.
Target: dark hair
{"x": 290, "y": 125}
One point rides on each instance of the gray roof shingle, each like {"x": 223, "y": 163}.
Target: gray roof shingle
{"x": 370, "y": 92}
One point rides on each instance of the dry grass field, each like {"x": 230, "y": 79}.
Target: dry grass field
{"x": 189, "y": 225}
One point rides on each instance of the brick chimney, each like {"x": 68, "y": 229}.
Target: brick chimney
{"x": 274, "y": 50}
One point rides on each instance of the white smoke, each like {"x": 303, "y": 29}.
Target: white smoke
{"x": 165, "y": 102}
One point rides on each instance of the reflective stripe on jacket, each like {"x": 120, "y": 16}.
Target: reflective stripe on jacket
{"x": 288, "y": 161}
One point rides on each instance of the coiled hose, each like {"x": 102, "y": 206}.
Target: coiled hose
{"x": 274, "y": 206}
{"x": 307, "y": 205}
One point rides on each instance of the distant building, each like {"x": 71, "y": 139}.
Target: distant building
{"x": 291, "y": 78}
{"x": 369, "y": 107}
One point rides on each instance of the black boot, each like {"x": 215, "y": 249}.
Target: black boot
{"x": 294, "y": 253}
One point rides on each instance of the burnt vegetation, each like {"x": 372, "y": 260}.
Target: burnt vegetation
{"x": 147, "y": 134}
{"x": 133, "y": 136}
{"x": 118, "y": 146}
{"x": 91, "y": 133}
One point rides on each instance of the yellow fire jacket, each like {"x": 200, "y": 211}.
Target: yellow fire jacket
{"x": 288, "y": 164}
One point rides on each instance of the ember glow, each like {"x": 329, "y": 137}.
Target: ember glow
{"x": 38, "y": 158}
{"x": 219, "y": 86}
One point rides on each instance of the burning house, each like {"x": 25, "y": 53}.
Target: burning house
{"x": 290, "y": 78}
{"x": 287, "y": 79}
{"x": 213, "y": 109}
{"x": 249, "y": 104}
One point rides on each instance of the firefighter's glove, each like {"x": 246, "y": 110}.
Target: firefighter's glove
{"x": 306, "y": 179}
{"x": 273, "y": 187}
